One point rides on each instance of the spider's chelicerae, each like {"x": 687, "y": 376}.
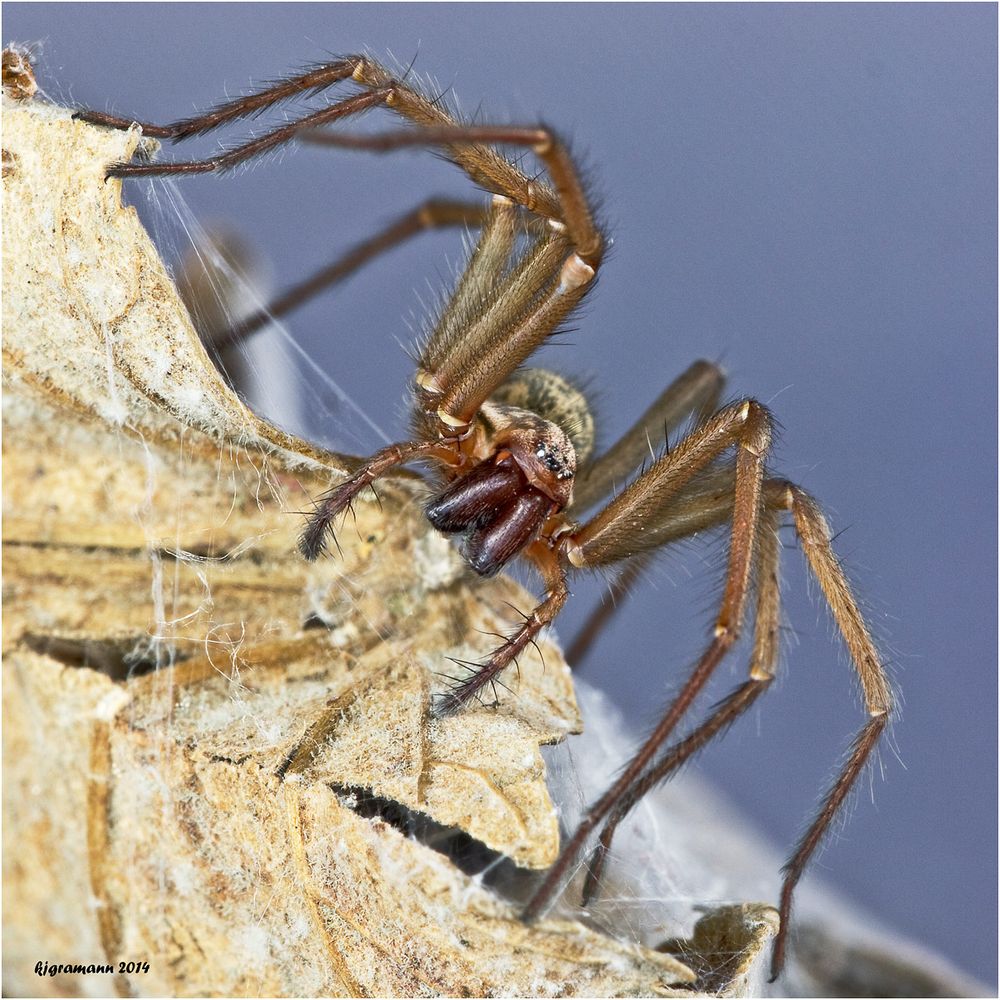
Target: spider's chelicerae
{"x": 513, "y": 447}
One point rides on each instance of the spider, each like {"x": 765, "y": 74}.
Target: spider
{"x": 513, "y": 448}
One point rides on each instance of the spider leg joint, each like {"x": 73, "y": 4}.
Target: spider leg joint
{"x": 575, "y": 273}
{"x": 455, "y": 423}
{"x": 575, "y": 555}
{"x": 428, "y": 382}
{"x": 544, "y": 145}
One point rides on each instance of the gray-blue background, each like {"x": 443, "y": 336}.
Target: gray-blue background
{"x": 807, "y": 193}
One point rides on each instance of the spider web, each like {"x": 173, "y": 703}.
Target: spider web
{"x": 223, "y": 283}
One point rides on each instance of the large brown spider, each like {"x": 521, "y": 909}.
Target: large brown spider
{"x": 513, "y": 447}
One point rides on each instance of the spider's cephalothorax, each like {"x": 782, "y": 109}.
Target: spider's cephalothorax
{"x": 513, "y": 448}
{"x": 502, "y": 503}
{"x": 525, "y": 464}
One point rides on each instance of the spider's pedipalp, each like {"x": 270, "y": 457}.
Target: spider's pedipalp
{"x": 313, "y": 538}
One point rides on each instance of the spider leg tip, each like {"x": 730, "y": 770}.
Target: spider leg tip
{"x": 445, "y": 705}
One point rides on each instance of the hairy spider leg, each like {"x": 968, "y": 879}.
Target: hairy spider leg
{"x": 711, "y": 503}
{"x": 515, "y": 316}
{"x": 312, "y": 81}
{"x": 610, "y": 536}
{"x": 716, "y": 509}
{"x": 693, "y": 394}
{"x": 814, "y": 534}
{"x": 556, "y": 593}
{"x": 483, "y": 164}
{"x": 478, "y": 285}
{"x": 434, "y": 213}
{"x": 254, "y": 147}
{"x": 779, "y": 496}
{"x": 574, "y": 210}
{"x": 485, "y": 370}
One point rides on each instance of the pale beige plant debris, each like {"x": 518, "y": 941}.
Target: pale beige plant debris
{"x": 200, "y": 729}
{"x": 725, "y": 944}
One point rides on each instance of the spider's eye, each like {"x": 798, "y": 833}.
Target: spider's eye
{"x": 550, "y": 458}
{"x": 554, "y": 462}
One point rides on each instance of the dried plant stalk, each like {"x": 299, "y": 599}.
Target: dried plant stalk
{"x": 206, "y": 740}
